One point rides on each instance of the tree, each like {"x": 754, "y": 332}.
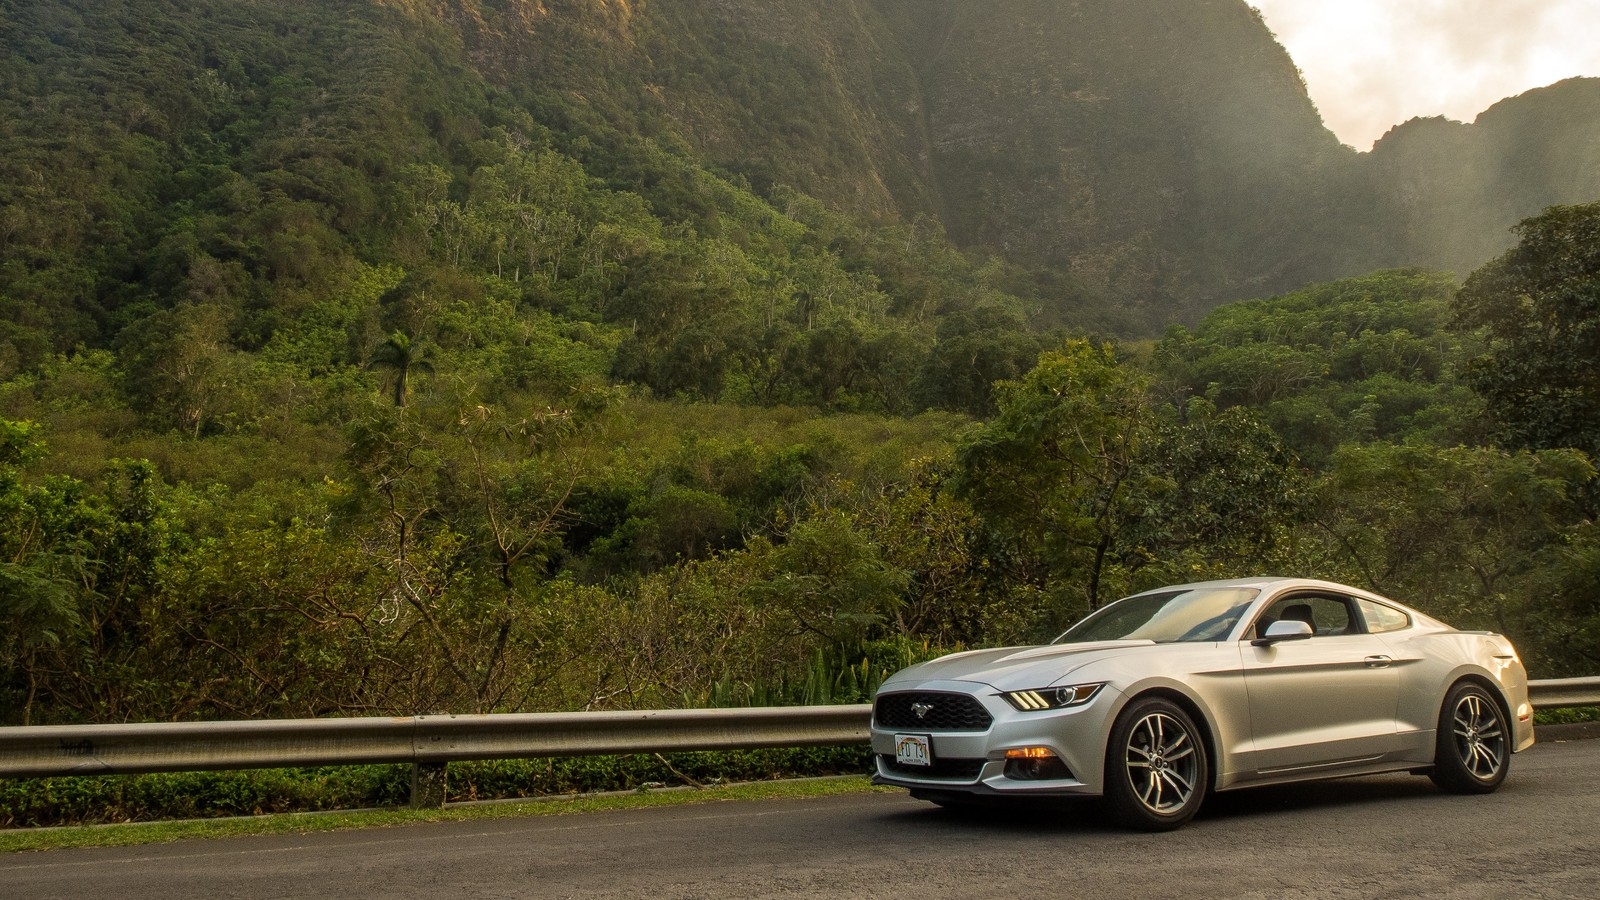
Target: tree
{"x": 180, "y": 365}
{"x": 400, "y": 356}
{"x": 1056, "y": 470}
{"x": 1540, "y": 306}
{"x": 834, "y": 581}
{"x": 975, "y": 349}
{"x": 922, "y": 529}
{"x": 41, "y": 570}
{"x": 1462, "y": 529}
{"x": 1364, "y": 358}
{"x": 1221, "y": 492}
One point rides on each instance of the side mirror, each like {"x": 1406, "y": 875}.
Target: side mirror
{"x": 1284, "y": 630}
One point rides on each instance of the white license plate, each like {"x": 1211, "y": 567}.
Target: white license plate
{"x": 913, "y": 749}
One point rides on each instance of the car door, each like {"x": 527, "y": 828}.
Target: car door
{"x": 1321, "y": 701}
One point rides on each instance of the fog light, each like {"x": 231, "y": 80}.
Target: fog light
{"x": 1035, "y": 764}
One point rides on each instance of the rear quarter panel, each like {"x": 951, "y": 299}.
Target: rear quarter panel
{"x": 1433, "y": 661}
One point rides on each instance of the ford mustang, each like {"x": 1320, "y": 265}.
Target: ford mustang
{"x": 1155, "y": 701}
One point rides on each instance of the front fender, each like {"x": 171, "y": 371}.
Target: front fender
{"x": 1218, "y": 703}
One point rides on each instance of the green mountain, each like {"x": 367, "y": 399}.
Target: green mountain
{"x": 1163, "y": 153}
{"x": 1137, "y": 162}
{"x": 1449, "y": 191}
{"x": 1153, "y": 149}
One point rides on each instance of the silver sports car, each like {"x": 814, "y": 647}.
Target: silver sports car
{"x": 1158, "y": 699}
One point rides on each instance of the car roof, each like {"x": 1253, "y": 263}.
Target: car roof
{"x": 1272, "y": 584}
{"x": 1257, "y": 581}
{"x": 1266, "y": 584}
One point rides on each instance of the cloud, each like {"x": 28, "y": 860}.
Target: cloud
{"x": 1371, "y": 64}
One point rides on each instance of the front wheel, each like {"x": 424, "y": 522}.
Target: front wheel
{"x": 1156, "y": 766}
{"x": 1472, "y": 752}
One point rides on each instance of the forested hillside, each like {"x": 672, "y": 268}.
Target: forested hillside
{"x": 1520, "y": 156}
{"x": 384, "y": 357}
{"x": 1143, "y": 161}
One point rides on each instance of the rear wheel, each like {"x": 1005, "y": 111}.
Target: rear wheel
{"x": 1156, "y": 766}
{"x": 1473, "y": 749}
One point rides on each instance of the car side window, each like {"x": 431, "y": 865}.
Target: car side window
{"x": 1382, "y": 618}
{"x": 1326, "y": 614}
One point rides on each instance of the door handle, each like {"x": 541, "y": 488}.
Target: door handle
{"x": 1379, "y": 662}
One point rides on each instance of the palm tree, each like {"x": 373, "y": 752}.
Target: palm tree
{"x": 401, "y": 356}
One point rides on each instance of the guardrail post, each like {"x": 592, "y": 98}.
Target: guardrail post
{"x": 428, "y": 784}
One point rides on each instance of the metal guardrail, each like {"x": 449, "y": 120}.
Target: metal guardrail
{"x": 183, "y": 746}
{"x": 1564, "y": 693}
{"x": 430, "y": 743}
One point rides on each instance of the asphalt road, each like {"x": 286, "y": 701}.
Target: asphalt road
{"x": 1389, "y": 836}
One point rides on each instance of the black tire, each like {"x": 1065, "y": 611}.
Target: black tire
{"x": 1157, "y": 771}
{"x": 1472, "y": 750}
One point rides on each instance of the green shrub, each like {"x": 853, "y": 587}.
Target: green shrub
{"x": 94, "y": 799}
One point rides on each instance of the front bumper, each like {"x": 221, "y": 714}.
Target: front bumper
{"x": 972, "y": 761}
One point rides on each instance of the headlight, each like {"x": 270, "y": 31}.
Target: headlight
{"x": 1053, "y": 697}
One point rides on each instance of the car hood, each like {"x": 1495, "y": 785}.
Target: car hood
{"x": 1012, "y": 668}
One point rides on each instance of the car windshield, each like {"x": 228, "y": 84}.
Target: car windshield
{"x": 1204, "y": 614}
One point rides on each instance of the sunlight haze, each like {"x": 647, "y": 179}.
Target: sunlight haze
{"x": 1372, "y": 64}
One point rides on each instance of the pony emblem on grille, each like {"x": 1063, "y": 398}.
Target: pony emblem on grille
{"x": 922, "y": 709}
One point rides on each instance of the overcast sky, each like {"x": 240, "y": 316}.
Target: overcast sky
{"x": 1372, "y": 64}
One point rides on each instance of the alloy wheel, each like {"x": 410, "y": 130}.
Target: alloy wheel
{"x": 1480, "y": 736}
{"x": 1162, "y": 764}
